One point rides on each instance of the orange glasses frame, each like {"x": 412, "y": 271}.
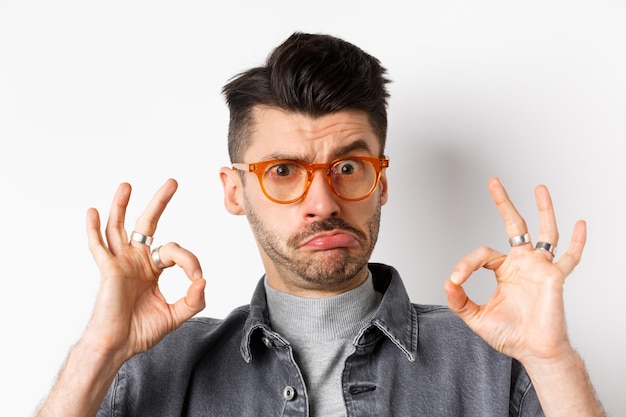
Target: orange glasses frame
{"x": 258, "y": 168}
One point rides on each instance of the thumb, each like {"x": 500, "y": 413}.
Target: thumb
{"x": 191, "y": 304}
{"x": 459, "y": 302}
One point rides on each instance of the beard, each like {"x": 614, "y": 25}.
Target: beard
{"x": 318, "y": 269}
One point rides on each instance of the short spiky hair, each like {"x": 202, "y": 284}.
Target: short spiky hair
{"x": 313, "y": 74}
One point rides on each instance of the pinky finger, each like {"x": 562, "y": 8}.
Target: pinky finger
{"x": 97, "y": 247}
{"x": 571, "y": 258}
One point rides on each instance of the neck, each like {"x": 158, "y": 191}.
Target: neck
{"x": 286, "y": 282}
{"x": 329, "y": 318}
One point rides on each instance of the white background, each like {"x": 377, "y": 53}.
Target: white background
{"x": 96, "y": 93}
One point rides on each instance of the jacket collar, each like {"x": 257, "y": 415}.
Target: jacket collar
{"x": 396, "y": 318}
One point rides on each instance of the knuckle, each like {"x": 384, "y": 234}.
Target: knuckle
{"x": 171, "y": 246}
{"x": 483, "y": 250}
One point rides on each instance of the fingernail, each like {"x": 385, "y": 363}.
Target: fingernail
{"x": 455, "y": 278}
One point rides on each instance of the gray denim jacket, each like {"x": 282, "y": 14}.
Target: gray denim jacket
{"x": 412, "y": 360}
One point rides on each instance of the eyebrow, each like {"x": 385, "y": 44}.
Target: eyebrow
{"x": 357, "y": 145}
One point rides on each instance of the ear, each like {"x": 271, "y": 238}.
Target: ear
{"x": 384, "y": 190}
{"x": 233, "y": 191}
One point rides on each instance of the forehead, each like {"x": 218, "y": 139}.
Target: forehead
{"x": 281, "y": 134}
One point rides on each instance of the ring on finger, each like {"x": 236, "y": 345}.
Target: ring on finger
{"x": 156, "y": 258}
{"x": 141, "y": 238}
{"x": 519, "y": 240}
{"x": 549, "y": 247}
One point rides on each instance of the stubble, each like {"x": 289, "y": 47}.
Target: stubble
{"x": 317, "y": 269}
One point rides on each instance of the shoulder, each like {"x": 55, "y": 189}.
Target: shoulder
{"x": 203, "y": 324}
{"x": 440, "y": 328}
{"x": 200, "y": 329}
{"x": 194, "y": 337}
{"x": 157, "y": 379}
{"x": 436, "y": 313}
{"x": 438, "y": 318}
{"x": 182, "y": 348}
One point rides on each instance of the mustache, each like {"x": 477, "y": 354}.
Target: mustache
{"x": 325, "y": 226}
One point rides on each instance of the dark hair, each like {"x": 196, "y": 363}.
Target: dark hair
{"x": 313, "y": 74}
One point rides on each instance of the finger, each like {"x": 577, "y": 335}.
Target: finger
{"x": 115, "y": 232}
{"x": 548, "y": 231}
{"x": 571, "y": 257}
{"x": 460, "y": 303}
{"x": 514, "y": 223}
{"x": 173, "y": 254}
{"x": 482, "y": 257}
{"x": 97, "y": 247}
{"x": 191, "y": 304}
{"x": 194, "y": 302}
{"x": 147, "y": 221}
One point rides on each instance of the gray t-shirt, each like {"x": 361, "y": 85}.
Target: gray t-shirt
{"x": 321, "y": 332}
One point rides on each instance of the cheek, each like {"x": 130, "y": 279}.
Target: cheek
{"x": 363, "y": 212}
{"x": 253, "y": 196}
{"x": 266, "y": 215}
{"x": 383, "y": 189}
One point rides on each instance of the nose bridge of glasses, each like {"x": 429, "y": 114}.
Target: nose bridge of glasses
{"x": 312, "y": 168}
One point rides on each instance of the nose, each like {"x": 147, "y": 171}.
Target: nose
{"x": 320, "y": 201}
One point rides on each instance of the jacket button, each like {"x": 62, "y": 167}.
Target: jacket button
{"x": 267, "y": 342}
{"x": 289, "y": 393}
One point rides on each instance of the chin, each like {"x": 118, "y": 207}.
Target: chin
{"x": 331, "y": 272}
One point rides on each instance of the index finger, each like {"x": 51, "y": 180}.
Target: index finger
{"x": 514, "y": 223}
{"x": 147, "y": 222}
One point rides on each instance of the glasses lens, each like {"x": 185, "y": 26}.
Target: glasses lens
{"x": 285, "y": 180}
{"x": 353, "y": 178}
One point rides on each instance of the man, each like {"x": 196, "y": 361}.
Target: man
{"x": 326, "y": 333}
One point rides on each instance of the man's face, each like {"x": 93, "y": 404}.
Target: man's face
{"x": 321, "y": 244}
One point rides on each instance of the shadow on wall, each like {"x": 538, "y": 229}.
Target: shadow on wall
{"x": 439, "y": 211}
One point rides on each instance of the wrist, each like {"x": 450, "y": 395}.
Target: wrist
{"x": 562, "y": 385}
{"x": 555, "y": 362}
{"x": 93, "y": 352}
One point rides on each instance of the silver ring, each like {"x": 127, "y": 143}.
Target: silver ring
{"x": 547, "y": 247}
{"x": 156, "y": 258}
{"x": 141, "y": 238}
{"x": 519, "y": 240}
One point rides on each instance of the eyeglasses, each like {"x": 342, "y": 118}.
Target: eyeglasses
{"x": 286, "y": 181}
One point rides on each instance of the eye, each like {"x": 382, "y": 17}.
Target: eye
{"x": 284, "y": 170}
{"x": 347, "y": 167}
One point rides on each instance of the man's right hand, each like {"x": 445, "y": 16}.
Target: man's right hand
{"x": 131, "y": 315}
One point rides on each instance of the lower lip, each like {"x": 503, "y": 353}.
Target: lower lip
{"x": 336, "y": 241}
